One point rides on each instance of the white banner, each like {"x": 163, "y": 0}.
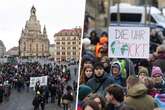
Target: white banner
{"x": 128, "y": 42}
{"x": 43, "y": 81}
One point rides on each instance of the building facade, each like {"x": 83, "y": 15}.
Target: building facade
{"x": 12, "y": 52}
{"x": 51, "y": 50}
{"x": 67, "y": 44}
{"x": 2, "y": 49}
{"x": 33, "y": 42}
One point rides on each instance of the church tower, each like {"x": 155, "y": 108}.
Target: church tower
{"x": 33, "y": 43}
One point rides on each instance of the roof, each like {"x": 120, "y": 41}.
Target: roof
{"x": 74, "y": 31}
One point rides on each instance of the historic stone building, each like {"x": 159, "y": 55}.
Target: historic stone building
{"x": 33, "y": 42}
{"x": 2, "y": 49}
{"x": 67, "y": 44}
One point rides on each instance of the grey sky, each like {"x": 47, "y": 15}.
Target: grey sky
{"x": 55, "y": 14}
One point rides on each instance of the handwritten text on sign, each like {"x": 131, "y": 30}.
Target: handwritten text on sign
{"x": 129, "y": 42}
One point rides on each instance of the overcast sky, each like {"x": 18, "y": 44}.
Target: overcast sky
{"x": 55, "y": 14}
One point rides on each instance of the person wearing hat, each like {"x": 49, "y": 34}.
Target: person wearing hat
{"x": 143, "y": 73}
{"x": 157, "y": 77}
{"x": 116, "y": 73}
{"x": 160, "y": 58}
{"x": 84, "y": 92}
{"x": 100, "y": 80}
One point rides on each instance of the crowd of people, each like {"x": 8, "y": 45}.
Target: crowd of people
{"x": 121, "y": 83}
{"x": 17, "y": 77}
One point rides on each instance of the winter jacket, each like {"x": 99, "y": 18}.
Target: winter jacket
{"x": 98, "y": 85}
{"x": 160, "y": 62}
{"x": 138, "y": 98}
{"x": 36, "y": 101}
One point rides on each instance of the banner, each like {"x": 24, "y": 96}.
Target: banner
{"x": 43, "y": 81}
{"x": 128, "y": 42}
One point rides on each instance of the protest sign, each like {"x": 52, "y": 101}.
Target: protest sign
{"x": 128, "y": 42}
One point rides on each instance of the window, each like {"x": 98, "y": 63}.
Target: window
{"x": 68, "y": 48}
{"x": 74, "y": 53}
{"x": 58, "y": 43}
{"x": 63, "y": 48}
{"x": 37, "y": 47}
{"x": 68, "y": 43}
{"x": 24, "y": 46}
{"x": 63, "y": 53}
{"x": 58, "y": 53}
{"x": 42, "y": 47}
{"x": 63, "y": 43}
{"x": 30, "y": 47}
{"x": 127, "y": 17}
{"x": 73, "y": 47}
{"x": 73, "y": 42}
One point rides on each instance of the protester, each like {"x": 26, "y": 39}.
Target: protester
{"x": 100, "y": 80}
{"x": 90, "y": 105}
{"x": 157, "y": 76}
{"x": 137, "y": 95}
{"x": 115, "y": 97}
{"x": 87, "y": 73}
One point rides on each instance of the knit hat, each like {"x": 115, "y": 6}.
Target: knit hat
{"x": 156, "y": 70}
{"x": 84, "y": 91}
{"x": 143, "y": 70}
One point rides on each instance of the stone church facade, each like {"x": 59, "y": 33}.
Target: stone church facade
{"x": 33, "y": 42}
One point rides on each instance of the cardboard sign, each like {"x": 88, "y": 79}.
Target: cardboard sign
{"x": 128, "y": 42}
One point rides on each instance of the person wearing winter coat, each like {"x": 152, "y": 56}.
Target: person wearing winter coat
{"x": 67, "y": 98}
{"x": 1, "y": 92}
{"x": 42, "y": 102}
{"x": 143, "y": 73}
{"x": 116, "y": 73}
{"x": 86, "y": 74}
{"x": 36, "y": 101}
{"x": 137, "y": 95}
{"x": 160, "y": 61}
{"x": 115, "y": 97}
{"x": 100, "y": 80}
{"x": 83, "y": 95}
{"x": 157, "y": 77}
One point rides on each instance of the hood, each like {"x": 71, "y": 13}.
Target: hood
{"x": 143, "y": 70}
{"x": 137, "y": 90}
{"x": 116, "y": 64}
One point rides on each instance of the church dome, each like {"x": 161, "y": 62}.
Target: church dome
{"x": 33, "y": 24}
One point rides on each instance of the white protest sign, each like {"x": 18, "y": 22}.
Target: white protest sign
{"x": 32, "y": 81}
{"x": 43, "y": 81}
{"x": 128, "y": 42}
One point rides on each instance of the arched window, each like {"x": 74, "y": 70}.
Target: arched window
{"x": 24, "y": 46}
{"x": 42, "y": 47}
{"x": 36, "y": 47}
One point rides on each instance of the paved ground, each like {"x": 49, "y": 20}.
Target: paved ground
{"x": 23, "y": 100}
